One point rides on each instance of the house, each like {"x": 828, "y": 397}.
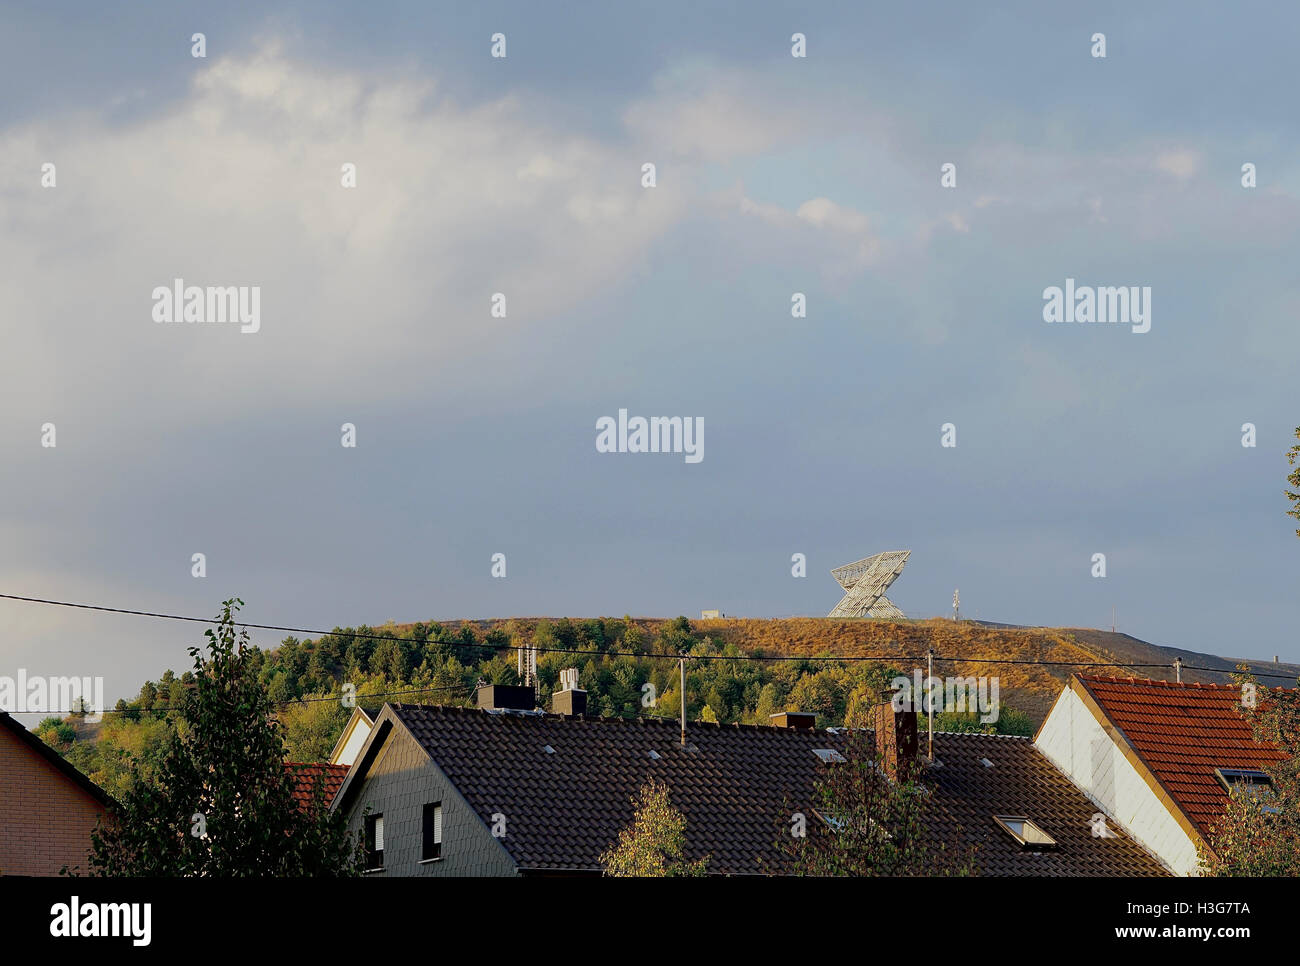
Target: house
{"x": 353, "y": 735}
{"x": 505, "y": 790}
{"x": 307, "y": 775}
{"x": 1157, "y": 757}
{"x": 47, "y": 807}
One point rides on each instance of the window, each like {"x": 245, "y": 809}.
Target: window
{"x": 374, "y": 841}
{"x": 432, "y": 832}
{"x": 1256, "y": 785}
{"x": 1024, "y": 831}
{"x": 828, "y": 755}
{"x": 833, "y": 822}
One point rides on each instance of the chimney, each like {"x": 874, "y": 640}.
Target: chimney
{"x": 896, "y": 740}
{"x": 802, "y": 720}
{"x": 505, "y": 697}
{"x": 571, "y": 700}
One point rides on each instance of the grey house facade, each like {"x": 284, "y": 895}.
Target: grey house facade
{"x": 395, "y": 779}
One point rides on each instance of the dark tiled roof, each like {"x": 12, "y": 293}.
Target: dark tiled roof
{"x": 737, "y": 787}
{"x": 309, "y": 773}
{"x": 1183, "y": 732}
{"x": 1021, "y": 781}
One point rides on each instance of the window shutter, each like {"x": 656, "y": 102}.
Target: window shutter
{"x": 379, "y": 833}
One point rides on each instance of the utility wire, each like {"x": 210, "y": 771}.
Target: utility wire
{"x": 359, "y": 699}
{"x": 645, "y": 654}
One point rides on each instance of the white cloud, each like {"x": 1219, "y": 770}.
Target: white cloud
{"x": 701, "y": 113}
{"x": 825, "y": 213}
{"x": 1182, "y": 163}
{"x": 238, "y": 184}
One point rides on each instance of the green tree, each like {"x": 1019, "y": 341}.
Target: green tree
{"x": 311, "y": 727}
{"x": 1259, "y": 834}
{"x": 867, "y": 824}
{"x": 653, "y": 845}
{"x": 1292, "y": 455}
{"x": 221, "y": 802}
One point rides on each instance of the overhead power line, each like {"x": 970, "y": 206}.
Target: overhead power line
{"x": 845, "y": 658}
{"x": 358, "y": 698}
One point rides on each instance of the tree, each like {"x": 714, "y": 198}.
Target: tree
{"x": 654, "y": 843}
{"x": 1292, "y": 455}
{"x": 311, "y": 727}
{"x": 220, "y": 802}
{"x": 1259, "y": 834}
{"x": 867, "y": 824}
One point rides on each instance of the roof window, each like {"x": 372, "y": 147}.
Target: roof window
{"x": 1026, "y": 832}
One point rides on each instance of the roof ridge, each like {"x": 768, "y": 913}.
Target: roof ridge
{"x": 606, "y": 719}
{"x": 1200, "y": 685}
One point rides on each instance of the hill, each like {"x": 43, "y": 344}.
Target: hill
{"x": 1029, "y": 687}
{"x": 621, "y": 670}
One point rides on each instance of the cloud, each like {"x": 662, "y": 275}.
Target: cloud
{"x": 700, "y": 113}
{"x": 1183, "y": 164}
{"x": 238, "y": 183}
{"x": 825, "y": 213}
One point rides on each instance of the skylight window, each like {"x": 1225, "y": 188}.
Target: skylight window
{"x": 828, "y": 755}
{"x": 833, "y": 822}
{"x": 1229, "y": 777}
{"x": 1026, "y": 832}
{"x": 986, "y": 763}
{"x": 1254, "y": 784}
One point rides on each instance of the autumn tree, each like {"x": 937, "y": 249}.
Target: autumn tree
{"x": 865, "y": 823}
{"x": 1293, "y": 495}
{"x": 1259, "y": 834}
{"x": 655, "y": 842}
{"x": 220, "y": 801}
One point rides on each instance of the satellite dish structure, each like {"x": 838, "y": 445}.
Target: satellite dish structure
{"x": 865, "y": 582}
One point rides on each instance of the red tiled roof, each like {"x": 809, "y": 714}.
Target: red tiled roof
{"x": 1183, "y": 732}
{"x": 309, "y": 773}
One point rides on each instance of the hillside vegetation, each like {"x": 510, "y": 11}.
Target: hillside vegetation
{"x": 442, "y": 662}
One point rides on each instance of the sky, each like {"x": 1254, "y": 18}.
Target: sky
{"x": 523, "y": 175}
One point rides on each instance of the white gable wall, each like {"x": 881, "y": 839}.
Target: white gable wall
{"x": 359, "y": 731}
{"x": 1074, "y": 740}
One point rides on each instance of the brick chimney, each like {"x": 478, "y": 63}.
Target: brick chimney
{"x": 801, "y": 720}
{"x": 896, "y": 740}
{"x": 505, "y": 697}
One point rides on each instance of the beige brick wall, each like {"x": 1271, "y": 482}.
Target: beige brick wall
{"x": 45, "y": 818}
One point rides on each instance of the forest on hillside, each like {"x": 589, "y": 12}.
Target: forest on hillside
{"x": 442, "y": 663}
